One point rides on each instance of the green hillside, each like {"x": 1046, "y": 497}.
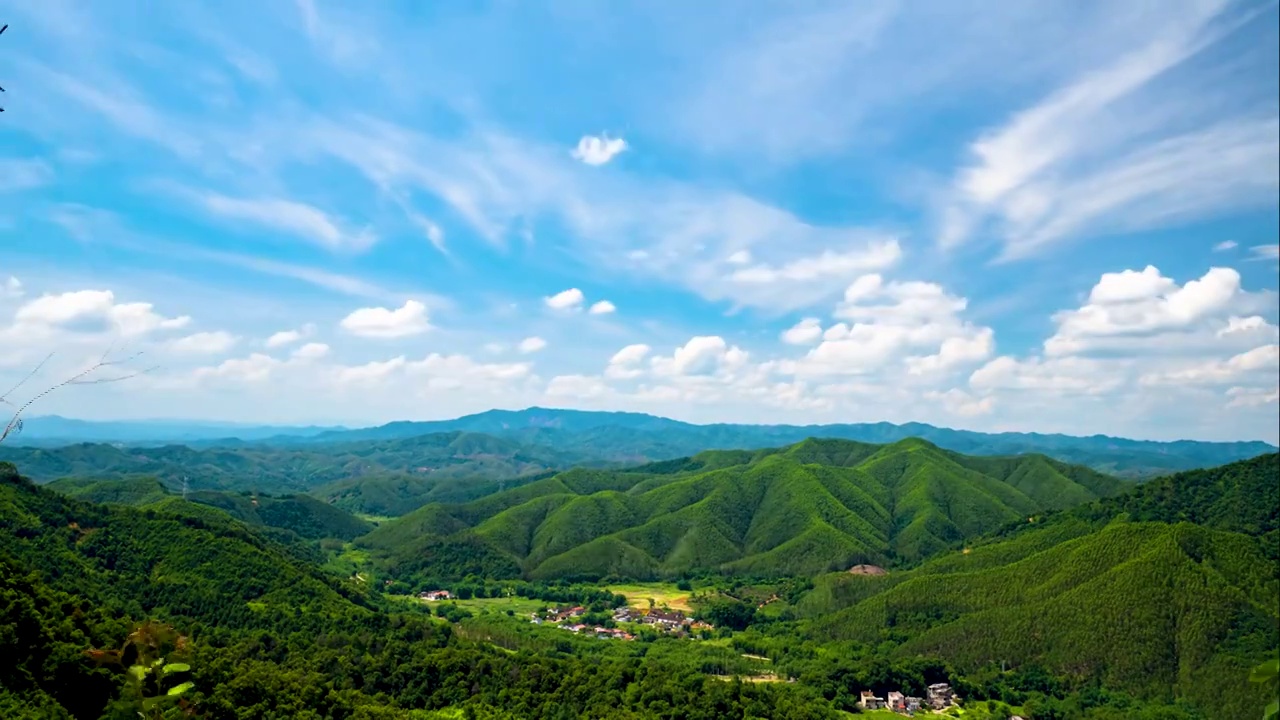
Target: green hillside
{"x": 260, "y": 634}
{"x": 815, "y": 506}
{"x": 1153, "y": 592}
{"x": 304, "y": 515}
{"x": 452, "y": 458}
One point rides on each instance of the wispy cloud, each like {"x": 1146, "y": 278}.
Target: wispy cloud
{"x": 24, "y": 174}
{"x": 296, "y": 218}
{"x": 1105, "y": 152}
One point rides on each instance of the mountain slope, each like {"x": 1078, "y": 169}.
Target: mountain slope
{"x": 304, "y": 515}
{"x": 807, "y": 508}
{"x": 1154, "y": 592}
{"x": 437, "y": 458}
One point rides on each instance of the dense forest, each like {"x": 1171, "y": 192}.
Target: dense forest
{"x": 811, "y": 507}
{"x": 1032, "y": 587}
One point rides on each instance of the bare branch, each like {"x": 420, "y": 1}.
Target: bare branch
{"x": 81, "y": 378}
{"x": 5, "y": 397}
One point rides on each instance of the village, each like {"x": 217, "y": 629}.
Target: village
{"x": 672, "y": 622}
{"x": 664, "y": 620}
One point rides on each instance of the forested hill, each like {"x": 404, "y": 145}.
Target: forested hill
{"x": 1169, "y": 590}
{"x": 308, "y": 517}
{"x": 260, "y": 633}
{"x": 439, "y": 457}
{"x": 810, "y": 507}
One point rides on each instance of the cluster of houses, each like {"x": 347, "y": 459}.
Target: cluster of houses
{"x": 671, "y": 621}
{"x": 433, "y": 595}
{"x": 938, "y": 696}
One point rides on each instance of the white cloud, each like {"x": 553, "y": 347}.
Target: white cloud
{"x": 625, "y": 364}
{"x": 1245, "y": 397}
{"x": 602, "y": 307}
{"x": 1052, "y": 376}
{"x": 877, "y": 255}
{"x": 570, "y": 299}
{"x": 1132, "y": 304}
{"x": 434, "y": 233}
{"x": 960, "y": 403}
{"x": 18, "y": 174}
{"x": 13, "y": 288}
{"x": 1264, "y": 252}
{"x": 1249, "y": 324}
{"x": 379, "y": 322}
{"x": 1265, "y": 359}
{"x": 702, "y": 355}
{"x": 288, "y": 337}
{"x": 204, "y": 343}
{"x": 90, "y": 311}
{"x": 805, "y": 332}
{"x": 578, "y": 387}
{"x": 916, "y": 323}
{"x": 305, "y": 221}
{"x": 594, "y": 150}
{"x": 1225, "y": 245}
{"x": 253, "y": 369}
{"x": 311, "y": 351}
{"x": 531, "y": 345}
{"x": 741, "y": 257}
{"x": 1107, "y": 152}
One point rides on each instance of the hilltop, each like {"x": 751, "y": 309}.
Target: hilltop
{"x": 623, "y": 437}
{"x": 802, "y": 509}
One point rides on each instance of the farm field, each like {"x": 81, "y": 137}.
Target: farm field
{"x": 638, "y": 595}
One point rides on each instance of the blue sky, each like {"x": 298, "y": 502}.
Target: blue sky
{"x": 1053, "y": 216}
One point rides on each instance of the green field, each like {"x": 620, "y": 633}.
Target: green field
{"x": 520, "y": 606}
{"x": 639, "y": 594}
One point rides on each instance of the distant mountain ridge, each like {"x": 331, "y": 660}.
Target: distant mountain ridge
{"x": 628, "y": 437}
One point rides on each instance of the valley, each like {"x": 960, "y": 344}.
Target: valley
{"x": 715, "y": 581}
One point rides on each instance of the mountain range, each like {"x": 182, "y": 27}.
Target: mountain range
{"x": 633, "y": 438}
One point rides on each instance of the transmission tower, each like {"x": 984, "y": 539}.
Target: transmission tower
{"x": 184, "y": 487}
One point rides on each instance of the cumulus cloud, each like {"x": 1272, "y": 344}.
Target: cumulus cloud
{"x": 531, "y": 345}
{"x": 288, "y": 337}
{"x": 570, "y": 299}
{"x": 1139, "y": 304}
{"x": 204, "y": 343}
{"x": 602, "y": 307}
{"x": 625, "y": 364}
{"x": 917, "y": 323}
{"x": 598, "y": 150}
{"x": 89, "y": 311}
{"x": 702, "y": 355}
{"x": 255, "y": 368}
{"x": 1264, "y": 360}
{"x": 311, "y": 351}
{"x": 878, "y": 255}
{"x": 379, "y": 322}
{"x": 805, "y": 332}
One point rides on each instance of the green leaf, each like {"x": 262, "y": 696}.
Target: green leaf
{"x": 1268, "y": 670}
{"x": 158, "y": 662}
{"x": 138, "y": 672}
{"x": 179, "y": 689}
{"x": 176, "y": 668}
{"x": 1272, "y": 710}
{"x": 149, "y": 703}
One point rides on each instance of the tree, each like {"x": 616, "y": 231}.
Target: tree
{"x": 87, "y": 376}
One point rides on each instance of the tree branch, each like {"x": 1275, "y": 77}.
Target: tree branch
{"x": 81, "y": 378}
